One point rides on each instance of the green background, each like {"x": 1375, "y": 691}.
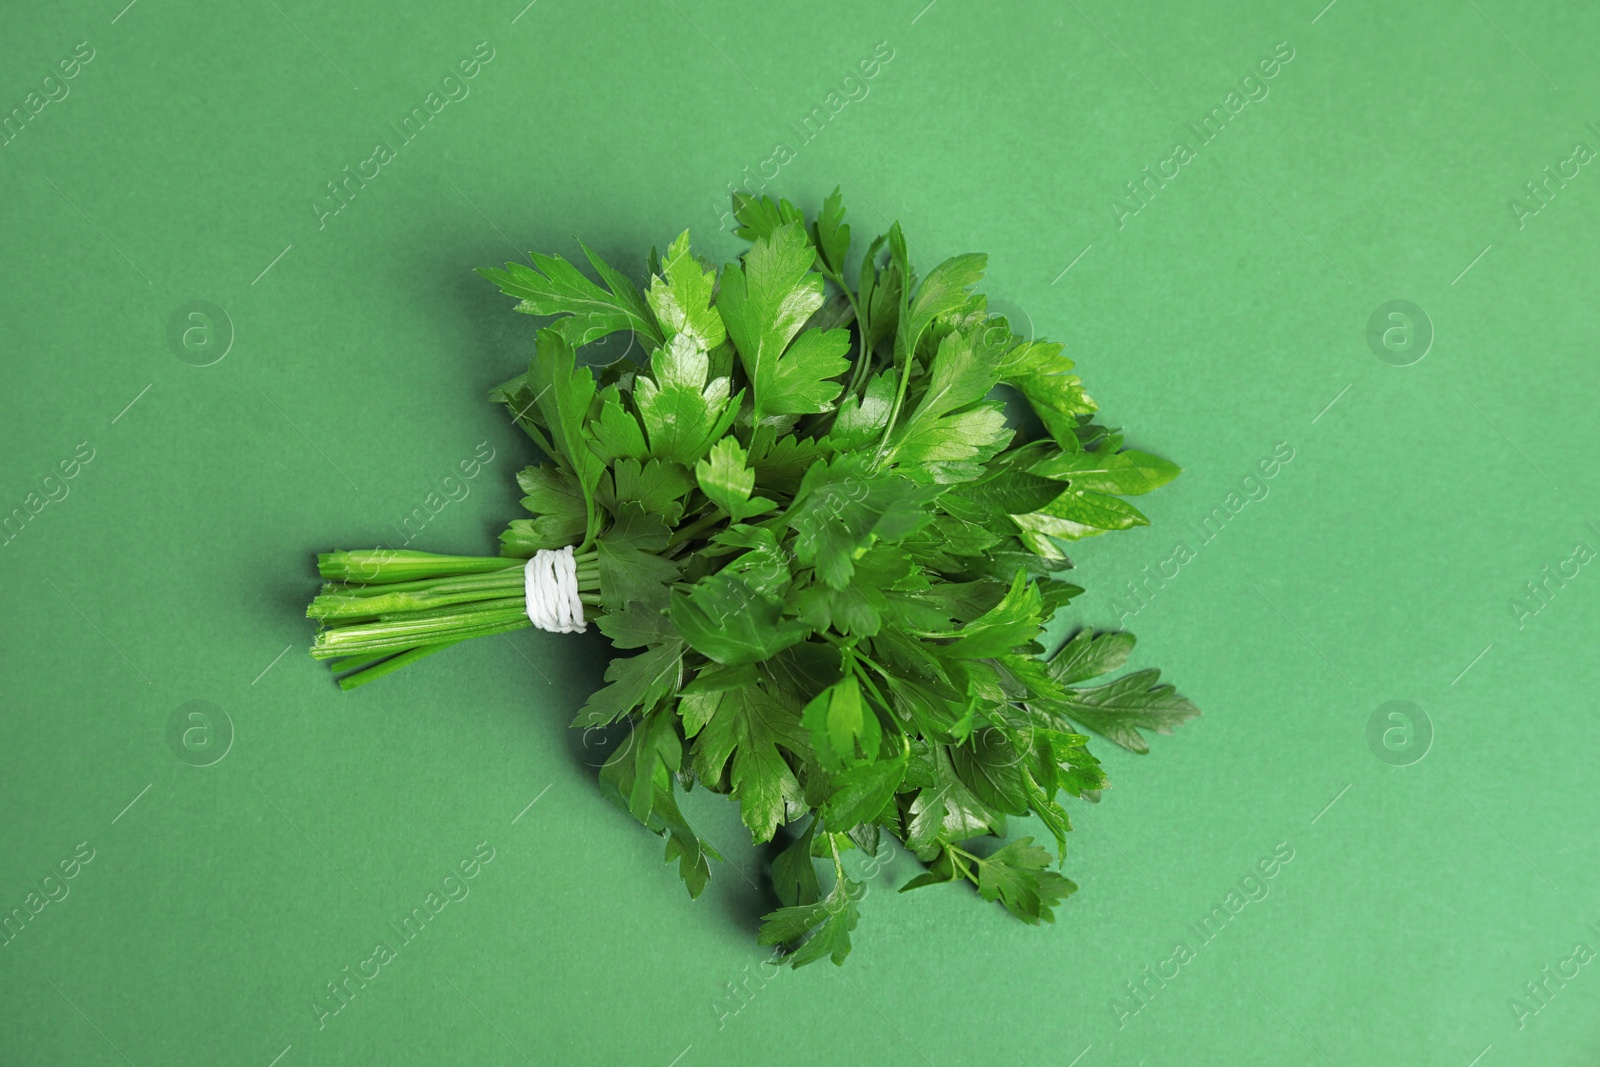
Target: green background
{"x": 1227, "y": 316}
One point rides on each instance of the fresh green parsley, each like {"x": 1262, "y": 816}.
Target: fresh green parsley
{"x": 827, "y": 551}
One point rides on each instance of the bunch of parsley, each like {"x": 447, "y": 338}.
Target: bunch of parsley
{"x": 835, "y": 554}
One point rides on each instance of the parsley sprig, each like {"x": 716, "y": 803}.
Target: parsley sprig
{"x": 829, "y": 549}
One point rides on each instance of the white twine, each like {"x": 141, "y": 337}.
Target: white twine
{"x": 550, "y": 581}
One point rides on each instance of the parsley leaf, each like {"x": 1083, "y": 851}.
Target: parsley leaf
{"x": 619, "y": 778}
{"x": 683, "y": 410}
{"x": 557, "y": 502}
{"x": 747, "y": 728}
{"x": 1118, "y": 711}
{"x": 630, "y": 568}
{"x": 726, "y": 620}
{"x": 563, "y": 394}
{"x": 950, "y": 425}
{"x": 944, "y": 290}
{"x": 840, "y": 508}
{"x": 1127, "y": 473}
{"x": 764, "y": 304}
{"x": 552, "y": 286}
{"x": 728, "y": 482}
{"x": 1039, "y": 372}
{"x": 1088, "y": 655}
{"x": 1074, "y": 515}
{"x": 838, "y": 719}
{"x": 861, "y": 793}
{"x": 794, "y": 876}
{"x": 681, "y": 297}
{"x": 636, "y": 681}
{"x": 616, "y": 434}
{"x": 1018, "y": 876}
{"x": 829, "y": 923}
{"x": 831, "y": 236}
{"x": 1011, "y": 623}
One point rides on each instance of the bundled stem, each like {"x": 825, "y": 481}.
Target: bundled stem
{"x": 383, "y": 609}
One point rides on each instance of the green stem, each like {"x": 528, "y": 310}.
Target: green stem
{"x": 956, "y": 855}
{"x": 700, "y": 525}
{"x": 855, "y": 650}
{"x": 393, "y": 663}
{"x": 418, "y": 626}
{"x": 442, "y": 584}
{"x": 589, "y": 523}
{"x": 338, "y": 606}
{"x": 894, "y": 413}
{"x": 860, "y": 320}
{"x": 858, "y": 375}
{"x": 350, "y": 663}
{"x": 876, "y": 692}
{"x": 398, "y": 642}
{"x": 384, "y": 565}
{"x": 446, "y": 580}
{"x": 396, "y": 607}
{"x": 903, "y": 366}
